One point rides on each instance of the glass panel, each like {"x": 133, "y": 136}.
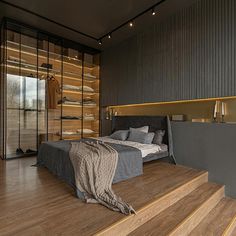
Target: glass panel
{"x": 43, "y": 73}
{"x": 21, "y": 136}
{"x": 28, "y": 114}
{"x": 91, "y": 96}
{"x": 14, "y": 88}
{"x": 54, "y": 77}
{"x": 2, "y": 91}
{"x": 72, "y": 94}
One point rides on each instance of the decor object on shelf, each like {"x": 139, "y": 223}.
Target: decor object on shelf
{"x": 217, "y": 110}
{"x": 223, "y": 111}
{"x": 178, "y": 118}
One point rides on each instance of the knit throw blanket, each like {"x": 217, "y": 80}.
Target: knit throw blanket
{"x": 94, "y": 166}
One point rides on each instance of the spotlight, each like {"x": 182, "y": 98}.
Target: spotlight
{"x": 100, "y": 42}
{"x": 153, "y": 12}
{"x": 109, "y": 36}
{"x": 131, "y": 24}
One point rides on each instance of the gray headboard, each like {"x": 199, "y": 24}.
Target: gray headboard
{"x": 154, "y": 123}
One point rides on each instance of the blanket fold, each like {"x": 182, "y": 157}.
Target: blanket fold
{"x": 94, "y": 165}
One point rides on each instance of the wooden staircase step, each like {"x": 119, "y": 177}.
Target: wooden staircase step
{"x": 221, "y": 221}
{"x": 184, "y": 215}
{"x": 158, "y": 204}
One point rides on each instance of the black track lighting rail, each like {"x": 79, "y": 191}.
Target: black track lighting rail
{"x": 99, "y": 40}
{"x": 152, "y": 8}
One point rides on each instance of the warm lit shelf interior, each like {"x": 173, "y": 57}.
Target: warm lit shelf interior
{"x": 27, "y": 61}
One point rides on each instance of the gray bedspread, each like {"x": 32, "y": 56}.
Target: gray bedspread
{"x": 55, "y": 156}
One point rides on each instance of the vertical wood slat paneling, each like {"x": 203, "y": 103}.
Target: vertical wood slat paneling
{"x": 189, "y": 55}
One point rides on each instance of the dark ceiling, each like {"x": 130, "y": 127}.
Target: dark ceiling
{"x": 93, "y": 17}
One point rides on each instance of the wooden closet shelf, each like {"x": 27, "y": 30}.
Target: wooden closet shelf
{"x": 31, "y": 51}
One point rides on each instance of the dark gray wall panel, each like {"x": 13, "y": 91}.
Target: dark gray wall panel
{"x": 212, "y": 148}
{"x": 189, "y": 55}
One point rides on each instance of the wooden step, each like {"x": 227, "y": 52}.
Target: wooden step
{"x": 156, "y": 205}
{"x": 221, "y": 221}
{"x": 184, "y": 215}
{"x": 49, "y": 207}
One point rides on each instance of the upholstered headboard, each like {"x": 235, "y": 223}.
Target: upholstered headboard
{"x": 154, "y": 123}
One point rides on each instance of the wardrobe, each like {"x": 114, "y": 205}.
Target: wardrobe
{"x": 49, "y": 89}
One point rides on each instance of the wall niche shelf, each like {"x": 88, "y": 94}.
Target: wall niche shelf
{"x": 35, "y": 67}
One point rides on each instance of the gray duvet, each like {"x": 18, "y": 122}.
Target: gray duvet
{"x": 55, "y": 156}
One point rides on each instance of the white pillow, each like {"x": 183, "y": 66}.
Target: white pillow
{"x": 142, "y": 129}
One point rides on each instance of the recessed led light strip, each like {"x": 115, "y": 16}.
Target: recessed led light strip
{"x": 175, "y": 102}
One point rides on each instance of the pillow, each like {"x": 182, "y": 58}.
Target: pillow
{"x": 120, "y": 135}
{"x": 140, "y": 137}
{"x": 142, "y": 129}
{"x": 158, "y": 138}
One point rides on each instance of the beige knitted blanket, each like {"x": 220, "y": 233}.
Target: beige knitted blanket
{"x": 94, "y": 166}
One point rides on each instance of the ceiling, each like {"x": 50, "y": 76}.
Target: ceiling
{"x": 92, "y": 17}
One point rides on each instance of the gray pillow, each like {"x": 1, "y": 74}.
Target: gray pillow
{"x": 140, "y": 137}
{"x": 143, "y": 129}
{"x": 158, "y": 138}
{"x": 120, "y": 135}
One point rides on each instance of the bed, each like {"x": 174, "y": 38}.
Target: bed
{"x": 55, "y": 155}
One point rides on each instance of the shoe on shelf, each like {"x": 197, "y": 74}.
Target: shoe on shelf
{"x": 30, "y": 151}
{"x": 19, "y": 151}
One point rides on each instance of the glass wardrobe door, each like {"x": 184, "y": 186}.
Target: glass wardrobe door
{"x": 72, "y": 95}
{"x": 14, "y": 85}
{"x": 91, "y": 96}
{"x": 54, "y": 82}
{"x": 28, "y": 102}
{"x": 21, "y": 95}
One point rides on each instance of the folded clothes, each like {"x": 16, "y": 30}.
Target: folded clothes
{"x": 89, "y": 75}
{"x": 71, "y": 87}
{"x": 72, "y": 103}
{"x": 67, "y": 100}
{"x": 90, "y": 103}
{"x": 77, "y": 88}
{"x": 86, "y": 88}
{"x": 77, "y": 132}
{"x": 69, "y": 132}
{"x": 85, "y": 131}
{"x": 71, "y": 117}
{"x": 89, "y": 117}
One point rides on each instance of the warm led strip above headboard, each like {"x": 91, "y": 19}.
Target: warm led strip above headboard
{"x": 194, "y": 110}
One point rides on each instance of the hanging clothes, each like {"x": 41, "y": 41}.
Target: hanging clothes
{"x": 53, "y": 89}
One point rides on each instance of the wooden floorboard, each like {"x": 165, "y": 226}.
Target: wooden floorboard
{"x": 219, "y": 220}
{"x": 176, "y": 214}
{"x": 34, "y": 202}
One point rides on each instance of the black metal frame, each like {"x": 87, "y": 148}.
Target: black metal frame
{"x": 38, "y": 34}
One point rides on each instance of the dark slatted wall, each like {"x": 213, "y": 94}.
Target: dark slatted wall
{"x": 189, "y": 55}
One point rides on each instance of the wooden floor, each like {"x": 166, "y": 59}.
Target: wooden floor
{"x": 34, "y": 202}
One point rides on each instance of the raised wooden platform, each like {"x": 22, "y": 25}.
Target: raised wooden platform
{"x": 169, "y": 200}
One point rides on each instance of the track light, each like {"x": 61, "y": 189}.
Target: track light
{"x": 153, "y": 12}
{"x": 131, "y": 22}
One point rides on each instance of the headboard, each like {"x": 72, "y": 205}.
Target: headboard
{"x": 154, "y": 123}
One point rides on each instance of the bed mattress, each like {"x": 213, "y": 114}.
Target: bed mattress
{"x": 55, "y": 157}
